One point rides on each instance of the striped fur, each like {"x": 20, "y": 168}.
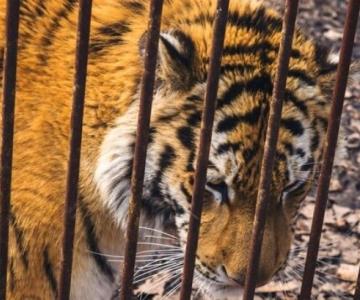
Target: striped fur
{"x": 45, "y": 77}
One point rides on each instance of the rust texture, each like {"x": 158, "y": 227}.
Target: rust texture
{"x": 204, "y": 147}
{"x": 83, "y": 33}
{"x": 8, "y": 107}
{"x": 142, "y": 136}
{"x": 330, "y": 146}
{"x": 270, "y": 147}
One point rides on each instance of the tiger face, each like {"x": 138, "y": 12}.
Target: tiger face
{"x": 245, "y": 89}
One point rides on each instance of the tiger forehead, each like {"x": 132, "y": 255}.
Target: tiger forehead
{"x": 253, "y": 35}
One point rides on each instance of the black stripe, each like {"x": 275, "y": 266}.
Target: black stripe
{"x": 299, "y": 104}
{"x": 289, "y": 148}
{"x": 250, "y": 153}
{"x": 186, "y": 136}
{"x": 116, "y": 29}
{"x": 107, "y": 36}
{"x": 49, "y": 35}
{"x": 152, "y": 132}
{"x": 231, "y": 122}
{"x": 315, "y": 140}
{"x": 231, "y": 68}
{"x": 323, "y": 121}
{"x": 263, "y": 47}
{"x": 300, "y": 152}
{"x": 49, "y": 271}
{"x": 195, "y": 98}
{"x": 190, "y": 161}
{"x": 169, "y": 117}
{"x": 221, "y": 188}
{"x": 308, "y": 165}
{"x": 194, "y": 118}
{"x": 186, "y": 193}
{"x": 293, "y": 125}
{"x": 300, "y": 74}
{"x": 134, "y": 6}
{"x": 92, "y": 242}
{"x": 296, "y": 188}
{"x": 19, "y": 238}
{"x": 203, "y": 18}
{"x": 159, "y": 203}
{"x": 40, "y": 8}
{"x": 258, "y": 84}
{"x": 256, "y": 20}
{"x": 225, "y": 147}
{"x": 166, "y": 159}
{"x": 280, "y": 156}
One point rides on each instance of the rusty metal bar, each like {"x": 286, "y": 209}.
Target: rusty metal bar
{"x": 9, "y": 90}
{"x": 272, "y": 133}
{"x": 357, "y": 291}
{"x": 204, "y": 147}
{"x": 142, "y": 137}
{"x": 82, "y": 45}
{"x": 330, "y": 146}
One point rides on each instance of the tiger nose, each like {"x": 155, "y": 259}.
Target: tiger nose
{"x": 238, "y": 278}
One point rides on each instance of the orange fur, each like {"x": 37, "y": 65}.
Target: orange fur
{"x": 44, "y": 95}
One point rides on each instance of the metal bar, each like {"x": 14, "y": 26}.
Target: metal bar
{"x": 82, "y": 45}
{"x": 9, "y": 90}
{"x": 142, "y": 137}
{"x": 330, "y": 146}
{"x": 204, "y": 147}
{"x": 272, "y": 133}
{"x": 357, "y": 291}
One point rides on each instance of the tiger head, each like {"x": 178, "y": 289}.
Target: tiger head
{"x": 245, "y": 89}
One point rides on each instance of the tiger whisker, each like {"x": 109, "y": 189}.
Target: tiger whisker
{"x": 177, "y": 283}
{"x": 159, "y": 262}
{"x": 140, "y": 278}
{"x": 159, "y": 245}
{"x": 158, "y": 231}
{"x": 167, "y": 261}
{"x": 165, "y": 277}
{"x": 161, "y": 251}
{"x": 157, "y": 237}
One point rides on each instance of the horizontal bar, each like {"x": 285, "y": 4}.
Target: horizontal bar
{"x": 83, "y": 33}
{"x": 272, "y": 133}
{"x": 330, "y": 146}
{"x": 142, "y": 137}
{"x": 204, "y": 147}
{"x": 9, "y": 91}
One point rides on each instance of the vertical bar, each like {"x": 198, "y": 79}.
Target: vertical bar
{"x": 9, "y": 90}
{"x": 142, "y": 137}
{"x": 82, "y": 44}
{"x": 204, "y": 147}
{"x": 330, "y": 146}
{"x": 270, "y": 147}
{"x": 357, "y": 291}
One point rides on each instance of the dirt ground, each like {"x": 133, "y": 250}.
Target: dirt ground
{"x": 339, "y": 257}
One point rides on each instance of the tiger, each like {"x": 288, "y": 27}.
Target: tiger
{"x": 45, "y": 71}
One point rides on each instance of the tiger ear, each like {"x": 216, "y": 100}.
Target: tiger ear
{"x": 328, "y": 70}
{"x": 176, "y": 59}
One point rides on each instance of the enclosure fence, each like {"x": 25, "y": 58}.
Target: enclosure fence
{"x": 148, "y": 79}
